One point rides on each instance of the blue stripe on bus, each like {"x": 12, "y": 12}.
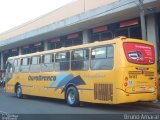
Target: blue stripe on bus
{"x": 60, "y": 77}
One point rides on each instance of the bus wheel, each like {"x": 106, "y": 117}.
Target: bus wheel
{"x": 19, "y": 92}
{"x": 72, "y": 97}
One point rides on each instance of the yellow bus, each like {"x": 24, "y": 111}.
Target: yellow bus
{"x": 115, "y": 71}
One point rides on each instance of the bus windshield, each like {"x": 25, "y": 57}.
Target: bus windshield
{"x": 139, "y": 53}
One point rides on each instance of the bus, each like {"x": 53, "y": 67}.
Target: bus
{"x": 121, "y": 70}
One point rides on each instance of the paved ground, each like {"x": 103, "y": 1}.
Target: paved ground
{"x": 36, "y": 105}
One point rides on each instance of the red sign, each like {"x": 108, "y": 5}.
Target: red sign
{"x": 26, "y": 47}
{"x": 100, "y": 29}
{"x": 55, "y": 40}
{"x": 129, "y": 23}
{"x": 73, "y": 36}
{"x": 139, "y": 53}
{"x": 14, "y": 50}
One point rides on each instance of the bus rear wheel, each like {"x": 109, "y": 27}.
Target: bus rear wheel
{"x": 72, "y": 97}
{"x": 19, "y": 91}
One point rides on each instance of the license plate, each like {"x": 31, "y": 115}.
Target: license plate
{"x": 142, "y": 88}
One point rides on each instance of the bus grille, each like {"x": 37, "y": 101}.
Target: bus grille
{"x": 103, "y": 92}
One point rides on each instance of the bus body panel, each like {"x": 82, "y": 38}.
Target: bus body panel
{"x": 45, "y": 88}
{"x": 124, "y": 83}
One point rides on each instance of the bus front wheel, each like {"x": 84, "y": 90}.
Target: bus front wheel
{"x": 72, "y": 97}
{"x": 19, "y": 91}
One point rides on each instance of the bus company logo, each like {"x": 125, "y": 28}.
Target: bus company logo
{"x": 64, "y": 79}
{"x": 143, "y": 47}
{"x": 97, "y": 75}
{"x": 135, "y": 55}
{"x": 42, "y": 78}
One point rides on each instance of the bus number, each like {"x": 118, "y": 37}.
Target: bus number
{"x": 133, "y": 76}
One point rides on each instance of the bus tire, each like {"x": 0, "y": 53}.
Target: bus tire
{"x": 72, "y": 97}
{"x": 19, "y": 92}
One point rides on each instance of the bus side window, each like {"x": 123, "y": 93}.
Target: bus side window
{"x": 80, "y": 59}
{"x": 35, "y": 60}
{"x": 35, "y": 64}
{"x": 47, "y": 59}
{"x": 25, "y": 64}
{"x": 40, "y": 60}
{"x": 52, "y": 58}
{"x": 17, "y": 64}
{"x": 62, "y": 61}
{"x": 102, "y": 58}
{"x": 47, "y": 63}
{"x": 24, "y": 61}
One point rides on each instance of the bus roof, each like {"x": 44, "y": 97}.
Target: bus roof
{"x": 97, "y": 43}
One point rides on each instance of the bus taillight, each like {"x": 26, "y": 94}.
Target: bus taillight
{"x": 125, "y": 84}
{"x": 155, "y": 83}
{"x": 126, "y": 78}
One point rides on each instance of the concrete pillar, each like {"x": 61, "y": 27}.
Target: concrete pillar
{"x": 152, "y": 35}
{"x": 20, "y": 51}
{"x": 45, "y": 45}
{"x": 142, "y": 18}
{"x": 2, "y": 64}
{"x": 85, "y": 36}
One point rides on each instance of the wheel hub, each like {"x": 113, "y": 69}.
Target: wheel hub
{"x": 71, "y": 97}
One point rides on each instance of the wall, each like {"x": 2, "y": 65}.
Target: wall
{"x": 89, "y": 4}
{"x": 66, "y": 11}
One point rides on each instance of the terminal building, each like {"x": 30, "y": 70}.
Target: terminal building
{"x": 81, "y": 22}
